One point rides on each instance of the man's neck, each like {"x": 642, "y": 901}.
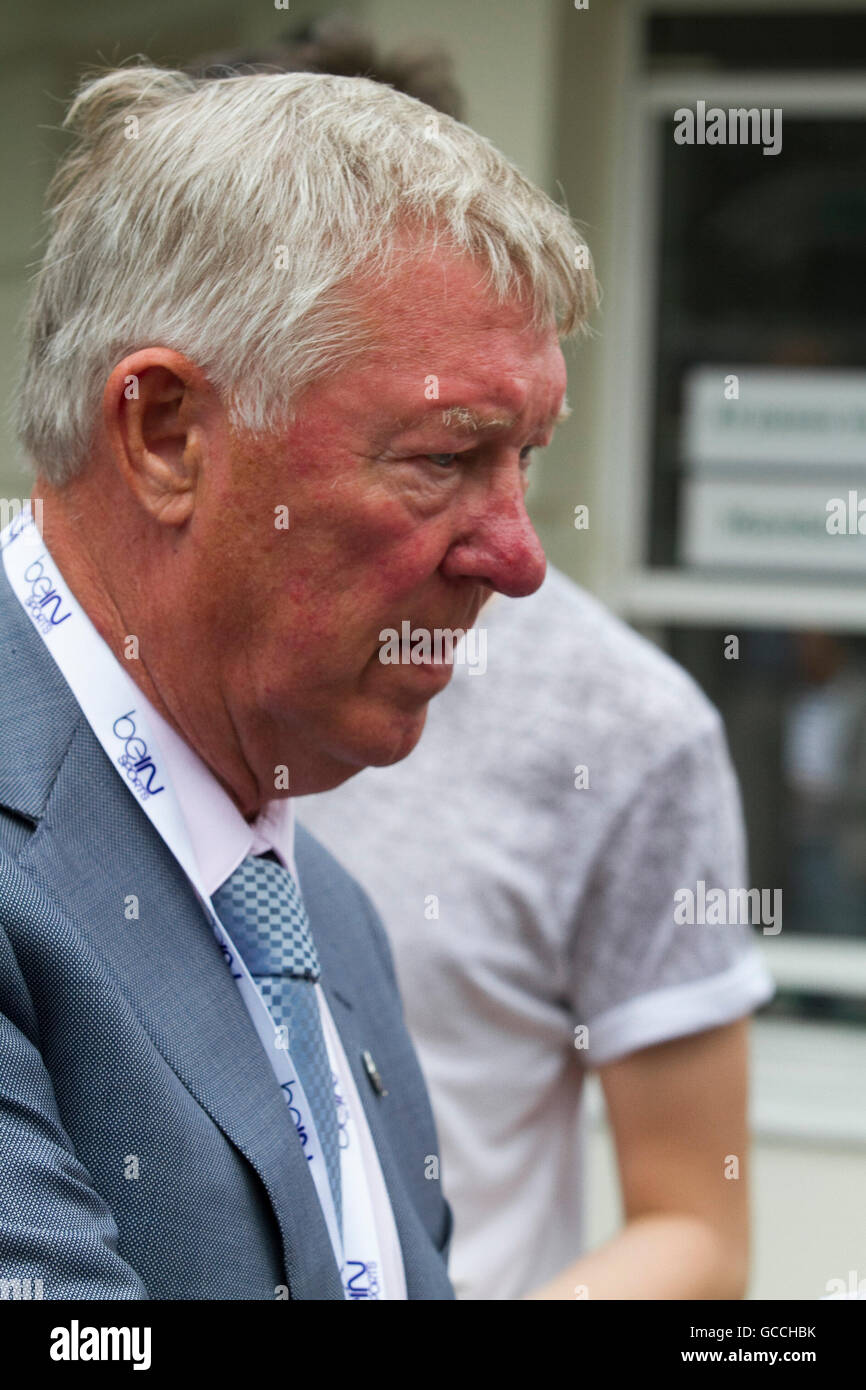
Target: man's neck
{"x": 73, "y": 549}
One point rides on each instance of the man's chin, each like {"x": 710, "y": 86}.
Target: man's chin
{"x": 380, "y": 736}
{"x": 397, "y": 740}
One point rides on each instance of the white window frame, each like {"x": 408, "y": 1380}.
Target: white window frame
{"x": 654, "y": 596}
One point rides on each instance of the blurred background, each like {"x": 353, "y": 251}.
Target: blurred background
{"x": 707, "y": 520}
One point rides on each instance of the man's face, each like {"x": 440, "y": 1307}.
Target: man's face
{"x": 395, "y": 513}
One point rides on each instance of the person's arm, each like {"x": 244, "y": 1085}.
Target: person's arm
{"x": 678, "y": 1115}
{"x": 58, "y": 1238}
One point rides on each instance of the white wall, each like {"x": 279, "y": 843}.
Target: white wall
{"x": 505, "y": 60}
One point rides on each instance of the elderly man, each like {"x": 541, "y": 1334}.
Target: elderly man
{"x": 292, "y": 345}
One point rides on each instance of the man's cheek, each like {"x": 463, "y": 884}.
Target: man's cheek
{"x": 406, "y": 564}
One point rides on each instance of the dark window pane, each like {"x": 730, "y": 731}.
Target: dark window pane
{"x": 794, "y": 706}
{"x": 827, "y": 40}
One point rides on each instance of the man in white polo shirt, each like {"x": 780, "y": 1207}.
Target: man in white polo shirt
{"x": 555, "y": 804}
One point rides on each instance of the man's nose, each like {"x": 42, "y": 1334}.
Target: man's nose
{"x": 499, "y": 547}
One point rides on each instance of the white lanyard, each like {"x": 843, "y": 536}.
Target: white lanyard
{"x": 111, "y": 703}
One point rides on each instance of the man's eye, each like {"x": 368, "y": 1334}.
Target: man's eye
{"x": 447, "y": 460}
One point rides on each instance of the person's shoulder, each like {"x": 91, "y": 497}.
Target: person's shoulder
{"x": 595, "y": 667}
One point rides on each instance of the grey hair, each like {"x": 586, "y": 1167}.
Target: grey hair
{"x": 225, "y": 218}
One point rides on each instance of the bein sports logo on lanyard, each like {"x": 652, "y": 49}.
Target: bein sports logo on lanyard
{"x": 107, "y": 697}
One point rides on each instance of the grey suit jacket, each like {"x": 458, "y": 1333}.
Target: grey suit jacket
{"x": 125, "y": 1047}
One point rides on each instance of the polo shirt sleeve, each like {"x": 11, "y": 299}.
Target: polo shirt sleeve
{"x": 637, "y": 976}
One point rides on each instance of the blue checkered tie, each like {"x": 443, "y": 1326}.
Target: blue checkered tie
{"x": 261, "y": 907}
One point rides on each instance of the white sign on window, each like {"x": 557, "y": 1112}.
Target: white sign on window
{"x": 801, "y": 417}
{"x": 779, "y": 525}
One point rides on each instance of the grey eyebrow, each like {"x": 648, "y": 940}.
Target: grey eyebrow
{"x": 463, "y": 418}
{"x": 472, "y": 421}
{"x": 466, "y": 420}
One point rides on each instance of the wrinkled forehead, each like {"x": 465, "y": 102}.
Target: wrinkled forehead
{"x": 431, "y": 335}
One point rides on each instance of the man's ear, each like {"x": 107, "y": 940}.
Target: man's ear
{"x": 159, "y": 415}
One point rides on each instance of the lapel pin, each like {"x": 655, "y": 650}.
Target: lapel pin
{"x": 373, "y": 1072}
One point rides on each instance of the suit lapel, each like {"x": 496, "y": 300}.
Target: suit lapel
{"x": 170, "y": 968}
